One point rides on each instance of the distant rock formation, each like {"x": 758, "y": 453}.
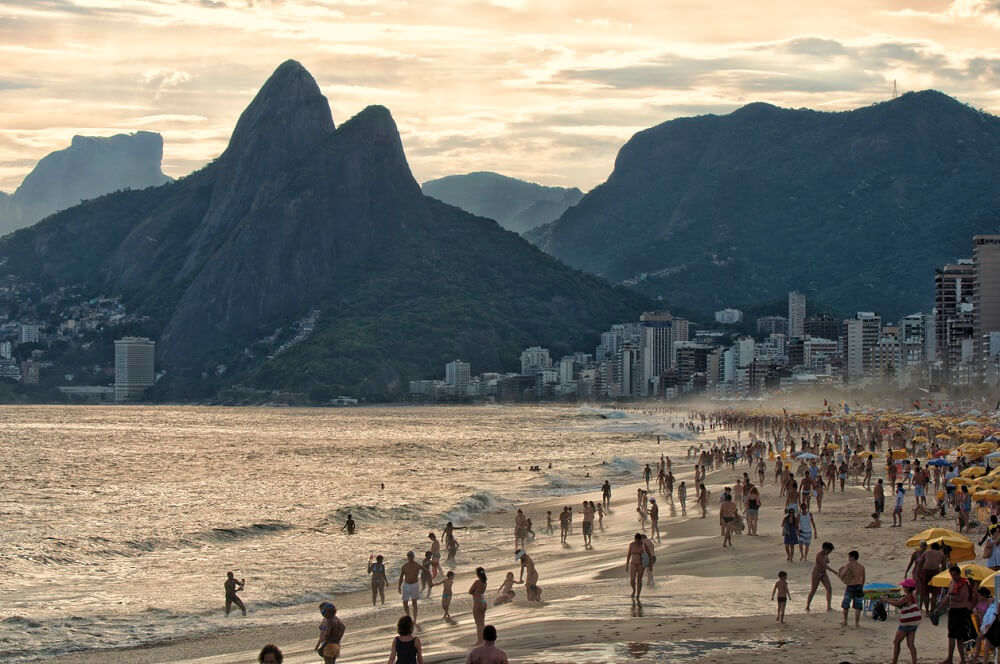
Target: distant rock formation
{"x": 515, "y": 204}
{"x": 89, "y": 167}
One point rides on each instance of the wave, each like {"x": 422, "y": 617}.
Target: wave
{"x": 196, "y": 540}
{"x": 483, "y": 502}
{"x": 622, "y": 465}
{"x": 603, "y": 413}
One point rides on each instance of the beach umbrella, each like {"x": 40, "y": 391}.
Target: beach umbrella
{"x": 961, "y": 549}
{"x": 959, "y": 481}
{"x": 974, "y": 471}
{"x": 938, "y": 462}
{"x": 866, "y": 455}
{"x": 942, "y": 436}
{"x": 993, "y": 455}
{"x": 807, "y": 455}
{"x": 932, "y": 533}
{"x": 969, "y": 571}
{"x": 989, "y": 495}
{"x": 969, "y": 423}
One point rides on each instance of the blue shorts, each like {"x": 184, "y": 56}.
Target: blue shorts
{"x": 853, "y": 595}
{"x": 907, "y": 629}
{"x": 918, "y": 491}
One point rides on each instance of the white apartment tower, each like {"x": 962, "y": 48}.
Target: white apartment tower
{"x": 660, "y": 331}
{"x": 534, "y": 359}
{"x": 134, "y": 367}
{"x": 796, "y": 314}
{"x": 457, "y": 374}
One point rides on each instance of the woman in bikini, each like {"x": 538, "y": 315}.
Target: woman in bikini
{"x": 379, "y": 580}
{"x": 478, "y": 592}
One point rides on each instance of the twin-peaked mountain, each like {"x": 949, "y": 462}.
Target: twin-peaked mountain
{"x": 89, "y": 167}
{"x": 298, "y": 215}
{"x": 854, "y": 208}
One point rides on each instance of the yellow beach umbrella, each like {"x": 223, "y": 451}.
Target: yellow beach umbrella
{"x": 989, "y": 495}
{"x": 969, "y": 571}
{"x": 933, "y": 533}
{"x": 959, "y": 481}
{"x": 900, "y": 454}
{"x": 974, "y": 471}
{"x": 961, "y": 549}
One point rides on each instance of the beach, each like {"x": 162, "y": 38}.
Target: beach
{"x": 707, "y": 603}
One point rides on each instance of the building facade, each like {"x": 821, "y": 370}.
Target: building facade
{"x": 796, "y": 314}
{"x": 134, "y": 367}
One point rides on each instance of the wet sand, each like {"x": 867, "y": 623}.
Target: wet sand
{"x": 708, "y": 602}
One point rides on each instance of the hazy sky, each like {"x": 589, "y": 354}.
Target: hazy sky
{"x": 547, "y": 91}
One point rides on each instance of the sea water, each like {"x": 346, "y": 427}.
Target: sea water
{"x": 118, "y": 524}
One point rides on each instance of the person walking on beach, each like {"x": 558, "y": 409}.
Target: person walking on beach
{"x": 682, "y": 496}
{"x": 232, "y": 586}
{"x": 409, "y": 583}
{"x": 932, "y": 565}
{"x": 405, "y": 648}
{"x": 447, "y": 585}
{"x": 807, "y": 530}
{"x": 820, "y": 576}
{"x": 909, "y": 619}
{"x": 635, "y": 562}
{"x": 487, "y": 653}
{"x": 478, "y": 592}
{"x": 647, "y": 474}
{"x": 960, "y": 600}
{"x": 727, "y": 512}
{"x": 703, "y": 499}
{"x": 897, "y": 507}
{"x": 790, "y": 533}
{"x": 588, "y": 523}
{"x": 531, "y": 589}
{"x": 379, "y": 578}
{"x": 654, "y": 519}
{"x": 753, "y": 509}
{"x": 331, "y": 634}
{"x": 606, "y": 494}
{"x": 781, "y": 590}
{"x": 853, "y": 576}
{"x": 520, "y": 529}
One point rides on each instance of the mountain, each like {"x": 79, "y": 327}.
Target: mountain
{"x": 299, "y": 220}
{"x": 89, "y": 167}
{"x": 517, "y": 205}
{"x": 855, "y": 208}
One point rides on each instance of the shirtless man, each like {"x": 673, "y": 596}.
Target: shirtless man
{"x": 520, "y": 530}
{"x": 588, "y": 523}
{"x": 727, "y": 512}
{"x": 232, "y": 586}
{"x": 531, "y": 589}
{"x": 329, "y": 645}
{"x": 819, "y": 575}
{"x": 634, "y": 565}
{"x": 606, "y": 494}
{"x": 409, "y": 584}
{"x": 853, "y": 576}
{"x": 933, "y": 564}
{"x": 564, "y": 518}
{"x": 488, "y": 653}
{"x": 654, "y": 519}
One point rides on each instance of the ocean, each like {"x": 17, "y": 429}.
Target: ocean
{"x": 118, "y": 524}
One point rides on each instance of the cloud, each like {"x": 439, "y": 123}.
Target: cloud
{"x": 163, "y": 79}
{"x": 985, "y": 11}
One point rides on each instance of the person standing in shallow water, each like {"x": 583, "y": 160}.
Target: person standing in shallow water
{"x": 379, "y": 579}
{"x": 232, "y": 586}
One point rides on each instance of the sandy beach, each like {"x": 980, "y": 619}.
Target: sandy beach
{"x": 707, "y": 602}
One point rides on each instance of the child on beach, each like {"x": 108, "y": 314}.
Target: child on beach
{"x": 781, "y": 590}
{"x": 505, "y": 593}
{"x": 447, "y": 583}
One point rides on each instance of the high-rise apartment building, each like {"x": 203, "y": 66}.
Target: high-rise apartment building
{"x": 30, "y": 333}
{"x": 823, "y": 326}
{"x": 953, "y": 314}
{"x": 534, "y": 359}
{"x": 457, "y": 374}
{"x": 728, "y": 316}
{"x": 871, "y": 331}
{"x": 772, "y": 325}
{"x": 134, "y": 367}
{"x": 985, "y": 293}
{"x": 796, "y": 314}
{"x": 660, "y": 331}
{"x": 854, "y": 348}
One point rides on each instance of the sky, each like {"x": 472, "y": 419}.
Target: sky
{"x": 543, "y": 90}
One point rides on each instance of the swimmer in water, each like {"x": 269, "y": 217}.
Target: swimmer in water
{"x": 349, "y": 525}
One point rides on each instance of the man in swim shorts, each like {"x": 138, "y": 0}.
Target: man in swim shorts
{"x": 853, "y": 576}
{"x": 409, "y": 583}
{"x": 232, "y": 587}
{"x": 588, "y": 523}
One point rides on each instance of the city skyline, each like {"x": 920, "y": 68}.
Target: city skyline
{"x": 544, "y": 93}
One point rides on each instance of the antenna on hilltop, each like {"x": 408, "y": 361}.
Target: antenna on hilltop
{"x": 895, "y": 92}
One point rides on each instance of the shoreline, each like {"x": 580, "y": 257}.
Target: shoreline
{"x": 586, "y": 614}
